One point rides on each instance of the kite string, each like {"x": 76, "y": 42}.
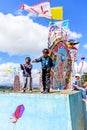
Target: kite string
{"x": 14, "y": 126}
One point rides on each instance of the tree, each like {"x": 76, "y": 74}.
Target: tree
{"x": 84, "y": 78}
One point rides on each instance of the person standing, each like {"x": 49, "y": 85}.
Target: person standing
{"x": 27, "y": 77}
{"x": 47, "y": 64}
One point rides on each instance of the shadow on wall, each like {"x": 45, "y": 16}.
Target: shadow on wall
{"x": 85, "y": 112}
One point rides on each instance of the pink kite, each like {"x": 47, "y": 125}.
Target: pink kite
{"x": 17, "y": 114}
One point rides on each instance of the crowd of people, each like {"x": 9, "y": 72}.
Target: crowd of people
{"x": 47, "y": 64}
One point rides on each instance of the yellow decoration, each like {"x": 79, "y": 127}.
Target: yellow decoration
{"x": 8, "y": 70}
{"x": 69, "y": 45}
{"x": 57, "y": 13}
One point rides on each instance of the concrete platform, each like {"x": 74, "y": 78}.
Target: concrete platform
{"x": 56, "y": 111}
{"x": 85, "y": 112}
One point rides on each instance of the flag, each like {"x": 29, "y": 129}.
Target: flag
{"x": 57, "y": 13}
{"x": 8, "y": 70}
{"x": 77, "y": 46}
{"x": 42, "y": 9}
{"x": 74, "y": 43}
{"x": 65, "y": 24}
{"x": 72, "y": 47}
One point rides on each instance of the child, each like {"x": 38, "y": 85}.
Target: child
{"x": 27, "y": 67}
{"x": 78, "y": 85}
{"x": 46, "y": 62}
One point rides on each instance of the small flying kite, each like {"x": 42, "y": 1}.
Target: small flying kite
{"x": 17, "y": 114}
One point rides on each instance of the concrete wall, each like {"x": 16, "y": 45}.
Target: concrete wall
{"x": 43, "y": 112}
{"x": 85, "y": 112}
{"x": 76, "y": 112}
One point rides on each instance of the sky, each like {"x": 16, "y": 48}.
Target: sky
{"x": 23, "y": 34}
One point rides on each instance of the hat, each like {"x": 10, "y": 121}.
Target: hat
{"x": 77, "y": 75}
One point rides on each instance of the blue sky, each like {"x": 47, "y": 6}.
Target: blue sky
{"x": 74, "y": 10}
{"x": 14, "y": 30}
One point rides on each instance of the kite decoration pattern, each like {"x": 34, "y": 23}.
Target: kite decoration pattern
{"x": 60, "y": 54}
{"x": 17, "y": 114}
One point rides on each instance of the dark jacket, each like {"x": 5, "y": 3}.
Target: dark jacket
{"x": 45, "y": 61}
{"x": 26, "y": 70}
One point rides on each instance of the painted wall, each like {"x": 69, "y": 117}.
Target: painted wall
{"x": 43, "y": 112}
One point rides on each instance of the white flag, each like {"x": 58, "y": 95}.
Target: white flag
{"x": 42, "y": 9}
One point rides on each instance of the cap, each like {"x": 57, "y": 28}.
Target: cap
{"x": 77, "y": 75}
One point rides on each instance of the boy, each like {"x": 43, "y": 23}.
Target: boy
{"x": 46, "y": 62}
{"x": 27, "y": 67}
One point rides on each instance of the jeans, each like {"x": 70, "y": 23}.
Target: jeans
{"x": 27, "y": 83}
{"x": 46, "y": 79}
{"x": 82, "y": 90}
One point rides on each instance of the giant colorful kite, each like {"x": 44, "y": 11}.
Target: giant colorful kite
{"x": 63, "y": 53}
{"x": 62, "y": 50}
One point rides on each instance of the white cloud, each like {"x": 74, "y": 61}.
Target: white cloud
{"x": 74, "y": 35}
{"x": 20, "y": 35}
{"x": 79, "y": 67}
{"x": 7, "y": 78}
{"x": 85, "y": 46}
{"x": 18, "y": 12}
